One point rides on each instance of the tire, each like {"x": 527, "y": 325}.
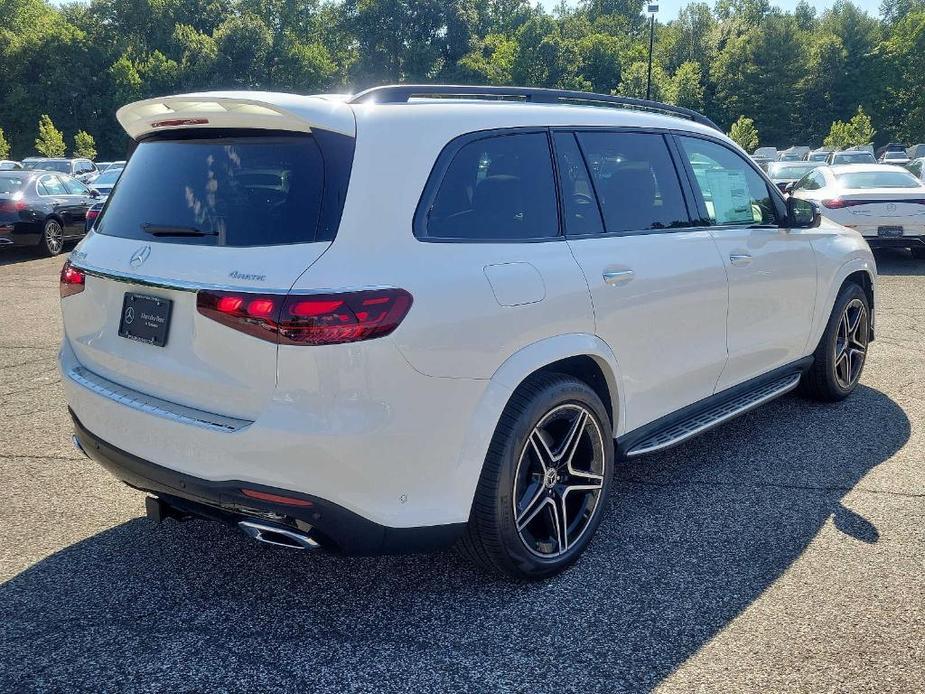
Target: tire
{"x": 839, "y": 359}
{"x": 532, "y": 475}
{"x": 918, "y": 252}
{"x": 52, "y": 241}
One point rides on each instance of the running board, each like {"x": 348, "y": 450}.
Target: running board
{"x": 678, "y": 432}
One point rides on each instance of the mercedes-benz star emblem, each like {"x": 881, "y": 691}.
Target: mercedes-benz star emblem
{"x": 140, "y": 256}
{"x": 129, "y": 315}
{"x": 891, "y": 208}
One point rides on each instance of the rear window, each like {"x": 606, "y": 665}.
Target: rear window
{"x": 877, "y": 179}
{"x": 243, "y": 191}
{"x": 10, "y": 185}
{"x": 790, "y": 172}
{"x": 854, "y": 158}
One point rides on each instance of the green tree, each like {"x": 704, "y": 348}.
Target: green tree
{"x": 4, "y": 146}
{"x": 904, "y": 75}
{"x": 50, "y": 141}
{"x": 685, "y": 88}
{"x": 634, "y": 82}
{"x": 490, "y": 60}
{"x": 599, "y": 62}
{"x": 856, "y": 132}
{"x": 84, "y": 145}
{"x": 744, "y": 133}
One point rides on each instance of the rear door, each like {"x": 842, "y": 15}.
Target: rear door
{"x": 771, "y": 269}
{"x": 194, "y": 211}
{"x": 79, "y": 201}
{"x": 657, "y": 285}
{"x": 64, "y": 205}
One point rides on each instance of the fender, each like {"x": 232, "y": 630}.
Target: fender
{"x": 511, "y": 374}
{"x": 831, "y": 276}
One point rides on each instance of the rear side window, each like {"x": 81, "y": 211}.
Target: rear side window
{"x": 635, "y": 181}
{"x": 733, "y": 192}
{"x": 51, "y": 185}
{"x": 579, "y": 205}
{"x": 229, "y": 191}
{"x": 496, "y": 189}
{"x": 74, "y": 187}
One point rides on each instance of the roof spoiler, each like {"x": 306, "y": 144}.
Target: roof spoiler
{"x": 259, "y": 110}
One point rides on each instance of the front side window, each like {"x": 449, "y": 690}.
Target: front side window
{"x": 733, "y": 192}
{"x": 635, "y": 181}
{"x": 75, "y": 187}
{"x": 495, "y": 189}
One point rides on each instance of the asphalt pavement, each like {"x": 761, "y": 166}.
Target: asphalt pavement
{"x": 782, "y": 552}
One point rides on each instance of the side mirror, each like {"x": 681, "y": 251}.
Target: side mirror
{"x": 802, "y": 214}
{"x": 788, "y": 189}
{"x": 94, "y": 193}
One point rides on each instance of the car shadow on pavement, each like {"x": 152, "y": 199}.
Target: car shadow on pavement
{"x": 690, "y": 539}
{"x": 11, "y": 255}
{"x": 895, "y": 261}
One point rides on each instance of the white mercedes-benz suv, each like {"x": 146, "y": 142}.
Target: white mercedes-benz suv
{"x": 421, "y": 316}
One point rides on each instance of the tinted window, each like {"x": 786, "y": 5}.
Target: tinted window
{"x": 74, "y": 187}
{"x": 733, "y": 192}
{"x": 497, "y": 188}
{"x": 853, "y": 158}
{"x": 62, "y": 166}
{"x": 238, "y": 191}
{"x": 11, "y": 184}
{"x": 635, "y": 181}
{"x": 50, "y": 185}
{"x": 877, "y": 179}
{"x": 107, "y": 178}
{"x": 579, "y": 205}
{"x": 789, "y": 171}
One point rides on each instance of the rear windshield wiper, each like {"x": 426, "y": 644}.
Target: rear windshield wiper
{"x": 165, "y": 230}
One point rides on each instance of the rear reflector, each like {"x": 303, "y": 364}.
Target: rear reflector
{"x": 276, "y": 498}
{"x": 72, "y": 280}
{"x": 315, "y": 319}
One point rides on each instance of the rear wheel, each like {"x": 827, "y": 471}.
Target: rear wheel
{"x": 52, "y": 241}
{"x": 545, "y": 480}
{"x": 842, "y": 351}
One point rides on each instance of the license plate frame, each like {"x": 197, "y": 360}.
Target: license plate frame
{"x": 145, "y": 318}
{"x": 890, "y": 232}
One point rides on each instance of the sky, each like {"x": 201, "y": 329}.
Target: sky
{"x": 668, "y": 9}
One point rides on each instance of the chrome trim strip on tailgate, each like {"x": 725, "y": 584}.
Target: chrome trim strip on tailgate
{"x": 179, "y": 285}
{"x": 154, "y": 406}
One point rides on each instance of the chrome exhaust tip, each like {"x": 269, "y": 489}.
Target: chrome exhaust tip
{"x": 274, "y": 535}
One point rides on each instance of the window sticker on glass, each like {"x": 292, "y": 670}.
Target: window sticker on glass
{"x": 732, "y": 201}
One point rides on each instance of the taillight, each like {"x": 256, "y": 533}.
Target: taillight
{"x": 17, "y": 204}
{"x": 839, "y": 204}
{"x": 72, "y": 280}
{"x": 311, "y": 319}
{"x": 92, "y": 215}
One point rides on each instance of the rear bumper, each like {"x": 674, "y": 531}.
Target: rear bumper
{"x": 336, "y": 527}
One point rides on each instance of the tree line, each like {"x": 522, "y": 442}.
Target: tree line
{"x": 793, "y": 74}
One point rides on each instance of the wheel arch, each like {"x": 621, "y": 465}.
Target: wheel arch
{"x": 860, "y": 270}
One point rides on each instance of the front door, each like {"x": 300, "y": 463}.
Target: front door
{"x": 771, "y": 269}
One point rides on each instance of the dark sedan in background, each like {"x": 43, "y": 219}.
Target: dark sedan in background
{"x": 42, "y": 209}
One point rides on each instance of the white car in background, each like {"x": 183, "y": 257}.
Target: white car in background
{"x": 886, "y": 204}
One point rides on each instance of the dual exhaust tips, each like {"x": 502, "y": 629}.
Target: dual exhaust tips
{"x": 273, "y": 535}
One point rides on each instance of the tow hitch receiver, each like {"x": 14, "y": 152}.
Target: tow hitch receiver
{"x": 158, "y": 510}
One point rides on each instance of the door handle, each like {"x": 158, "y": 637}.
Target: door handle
{"x": 740, "y": 259}
{"x": 615, "y": 277}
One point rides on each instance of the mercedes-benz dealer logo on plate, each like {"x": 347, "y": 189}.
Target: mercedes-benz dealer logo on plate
{"x": 130, "y": 315}
{"x": 140, "y": 256}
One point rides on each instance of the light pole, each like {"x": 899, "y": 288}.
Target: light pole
{"x": 653, "y": 10}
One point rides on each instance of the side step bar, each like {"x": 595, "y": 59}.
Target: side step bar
{"x": 697, "y": 423}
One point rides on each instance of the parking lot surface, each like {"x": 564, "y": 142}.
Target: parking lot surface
{"x": 782, "y": 552}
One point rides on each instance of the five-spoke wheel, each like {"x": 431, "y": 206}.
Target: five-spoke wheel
{"x": 545, "y": 480}
{"x": 851, "y": 343}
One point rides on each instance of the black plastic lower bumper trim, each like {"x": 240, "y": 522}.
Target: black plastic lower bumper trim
{"x": 337, "y": 527}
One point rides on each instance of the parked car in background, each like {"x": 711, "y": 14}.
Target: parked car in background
{"x": 580, "y": 283}
{"x": 9, "y": 165}
{"x": 917, "y": 168}
{"x": 784, "y": 173}
{"x": 849, "y": 156}
{"x": 895, "y": 157}
{"x": 819, "y": 155}
{"x": 81, "y": 169}
{"x": 795, "y": 153}
{"x": 93, "y": 214}
{"x": 886, "y": 204}
{"x": 114, "y": 165}
{"x": 916, "y": 151}
{"x": 769, "y": 153}
{"x": 105, "y": 181}
{"x": 42, "y": 209}
{"x": 761, "y": 161}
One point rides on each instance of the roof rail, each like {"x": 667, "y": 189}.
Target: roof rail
{"x": 402, "y": 93}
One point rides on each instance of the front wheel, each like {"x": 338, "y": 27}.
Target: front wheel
{"x": 545, "y": 481}
{"x": 839, "y": 359}
{"x": 52, "y": 241}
